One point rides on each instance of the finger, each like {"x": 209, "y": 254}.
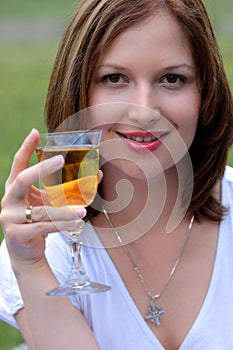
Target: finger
{"x": 41, "y": 213}
{"x": 100, "y": 176}
{"x": 35, "y": 197}
{"x": 23, "y": 155}
{"x": 25, "y": 233}
{"x": 49, "y": 213}
{"x": 20, "y": 186}
{"x": 53, "y": 214}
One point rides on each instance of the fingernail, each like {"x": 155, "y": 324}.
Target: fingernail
{"x": 57, "y": 161}
{"x": 30, "y": 136}
{"x": 80, "y": 213}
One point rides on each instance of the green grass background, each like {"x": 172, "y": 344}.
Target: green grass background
{"x": 24, "y": 74}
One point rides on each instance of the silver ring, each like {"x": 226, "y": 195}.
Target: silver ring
{"x": 28, "y": 214}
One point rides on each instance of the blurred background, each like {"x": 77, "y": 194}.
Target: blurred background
{"x": 30, "y": 31}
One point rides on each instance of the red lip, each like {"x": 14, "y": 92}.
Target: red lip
{"x": 142, "y": 147}
{"x": 142, "y": 133}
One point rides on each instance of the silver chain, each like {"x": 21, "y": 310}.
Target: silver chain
{"x": 140, "y": 276}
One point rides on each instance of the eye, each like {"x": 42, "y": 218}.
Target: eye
{"x": 115, "y": 79}
{"x": 172, "y": 80}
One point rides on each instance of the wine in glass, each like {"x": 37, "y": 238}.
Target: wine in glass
{"x": 74, "y": 185}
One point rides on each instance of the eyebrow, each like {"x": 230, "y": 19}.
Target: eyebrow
{"x": 109, "y": 65}
{"x": 183, "y": 65}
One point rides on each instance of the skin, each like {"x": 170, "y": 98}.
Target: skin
{"x": 165, "y": 87}
{"x": 176, "y": 103}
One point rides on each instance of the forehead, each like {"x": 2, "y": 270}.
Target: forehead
{"x": 159, "y": 33}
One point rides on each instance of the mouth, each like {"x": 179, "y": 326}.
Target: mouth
{"x": 141, "y": 136}
{"x": 142, "y": 142}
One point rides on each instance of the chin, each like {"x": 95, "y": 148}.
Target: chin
{"x": 137, "y": 172}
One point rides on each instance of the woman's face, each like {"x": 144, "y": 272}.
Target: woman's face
{"x": 148, "y": 65}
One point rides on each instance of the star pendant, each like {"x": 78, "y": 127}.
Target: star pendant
{"x": 154, "y": 313}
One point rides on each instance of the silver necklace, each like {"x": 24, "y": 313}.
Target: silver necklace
{"x": 154, "y": 313}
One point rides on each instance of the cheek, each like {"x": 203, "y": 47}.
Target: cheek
{"x": 190, "y": 113}
{"x": 188, "y": 131}
{"x": 98, "y": 116}
{"x": 97, "y": 94}
{"x": 184, "y": 113}
{"x": 93, "y": 97}
{"x": 105, "y": 115}
{"x": 187, "y": 127}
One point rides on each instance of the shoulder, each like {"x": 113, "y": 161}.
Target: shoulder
{"x": 227, "y": 188}
{"x": 229, "y": 174}
{"x": 10, "y": 298}
{"x": 227, "y": 181}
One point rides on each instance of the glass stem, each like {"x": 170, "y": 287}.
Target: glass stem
{"x": 75, "y": 248}
{"x": 77, "y": 277}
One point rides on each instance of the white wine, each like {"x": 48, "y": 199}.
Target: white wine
{"x": 76, "y": 183}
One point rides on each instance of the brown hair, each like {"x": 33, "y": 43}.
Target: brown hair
{"x": 95, "y": 24}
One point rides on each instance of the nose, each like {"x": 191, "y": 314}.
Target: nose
{"x": 143, "y": 106}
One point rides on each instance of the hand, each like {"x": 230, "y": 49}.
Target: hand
{"x": 26, "y": 241}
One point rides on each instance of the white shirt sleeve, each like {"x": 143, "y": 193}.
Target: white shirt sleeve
{"x": 10, "y": 298}
{"x": 58, "y": 256}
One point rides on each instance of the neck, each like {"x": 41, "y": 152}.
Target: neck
{"x": 132, "y": 200}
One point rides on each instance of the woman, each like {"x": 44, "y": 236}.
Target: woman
{"x": 159, "y": 63}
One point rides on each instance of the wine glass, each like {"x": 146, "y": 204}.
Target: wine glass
{"x": 74, "y": 185}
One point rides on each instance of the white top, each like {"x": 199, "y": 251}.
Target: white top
{"x": 113, "y": 316}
